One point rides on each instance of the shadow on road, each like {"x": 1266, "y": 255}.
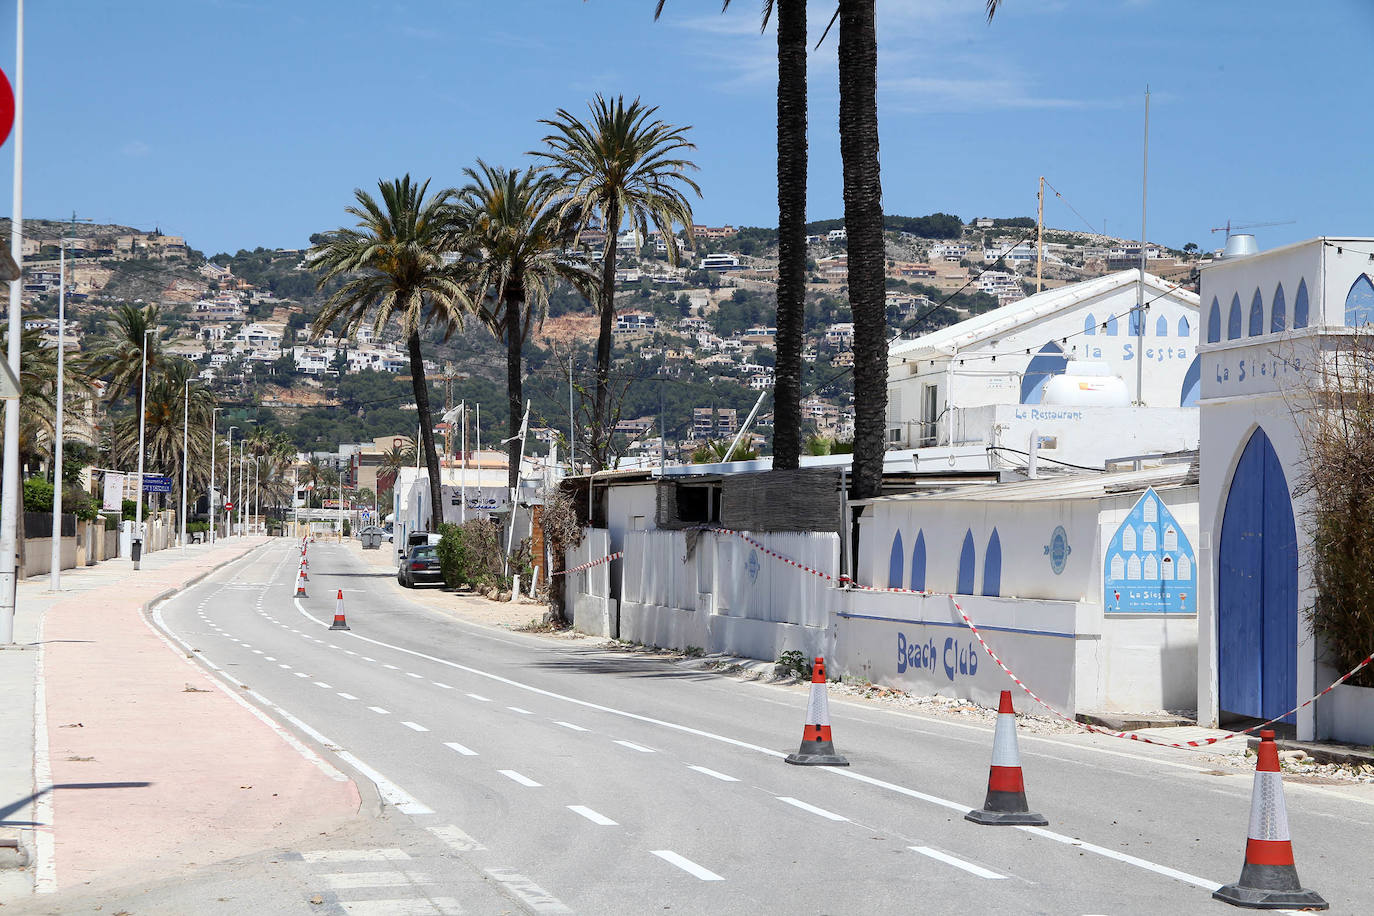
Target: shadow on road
{"x": 12, "y": 807}
{"x": 592, "y": 661}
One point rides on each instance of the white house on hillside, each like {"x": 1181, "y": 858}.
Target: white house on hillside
{"x": 1069, "y": 365}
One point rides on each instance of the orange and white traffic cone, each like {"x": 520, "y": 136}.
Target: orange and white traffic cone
{"x": 300, "y": 584}
{"x": 817, "y": 750}
{"x": 339, "y": 622}
{"x": 1006, "y": 801}
{"x": 305, "y": 571}
{"x": 1269, "y": 879}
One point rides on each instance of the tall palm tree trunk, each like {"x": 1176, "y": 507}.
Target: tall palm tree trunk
{"x": 863, "y": 218}
{"x": 601, "y": 438}
{"x": 514, "y": 387}
{"x": 791, "y": 232}
{"x": 421, "y": 388}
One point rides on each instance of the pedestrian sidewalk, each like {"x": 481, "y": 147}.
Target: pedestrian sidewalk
{"x": 131, "y": 764}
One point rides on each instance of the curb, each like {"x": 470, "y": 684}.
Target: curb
{"x": 1323, "y": 753}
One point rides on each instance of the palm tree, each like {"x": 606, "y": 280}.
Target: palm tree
{"x": 391, "y": 265}
{"x": 393, "y": 459}
{"x": 119, "y": 357}
{"x": 622, "y": 165}
{"x": 791, "y": 291}
{"x": 38, "y": 396}
{"x": 167, "y": 406}
{"x": 512, "y": 238}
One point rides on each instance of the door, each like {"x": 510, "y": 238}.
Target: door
{"x": 1257, "y": 588}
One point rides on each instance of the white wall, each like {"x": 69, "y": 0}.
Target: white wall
{"x": 591, "y": 608}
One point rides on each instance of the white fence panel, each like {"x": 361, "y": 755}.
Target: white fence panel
{"x": 657, "y": 571}
{"x": 596, "y": 543}
{"x": 757, "y": 586}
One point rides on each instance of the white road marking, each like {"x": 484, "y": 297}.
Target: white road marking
{"x": 268, "y": 658}
{"x": 404, "y": 906}
{"x": 323, "y": 684}
{"x": 1122, "y": 857}
{"x": 576, "y": 728}
{"x": 480, "y": 699}
{"x": 636, "y": 747}
{"x": 351, "y": 880}
{"x": 315, "y": 857}
{"x": 350, "y": 652}
{"x": 686, "y": 865}
{"x": 592, "y": 816}
{"x": 812, "y": 808}
{"x": 957, "y": 863}
{"x": 712, "y": 773}
{"x": 379, "y": 710}
{"x": 523, "y": 712}
{"x": 534, "y": 896}
{"x": 301, "y": 674}
{"x": 257, "y": 651}
{"x": 444, "y": 686}
{"x": 517, "y": 777}
{"x": 368, "y": 658}
{"x": 413, "y": 674}
{"x": 456, "y": 838}
{"x": 348, "y": 696}
{"x": 392, "y": 667}
{"x": 283, "y": 665}
{"x": 415, "y": 726}
{"x": 465, "y": 751}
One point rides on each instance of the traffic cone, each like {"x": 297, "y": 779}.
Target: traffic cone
{"x": 339, "y": 622}
{"x": 1269, "y": 879}
{"x": 300, "y": 584}
{"x": 817, "y": 750}
{"x": 305, "y": 574}
{"x": 1006, "y": 801}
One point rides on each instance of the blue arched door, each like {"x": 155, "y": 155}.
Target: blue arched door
{"x": 1257, "y": 588}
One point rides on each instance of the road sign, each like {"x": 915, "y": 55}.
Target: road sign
{"x": 228, "y": 506}
{"x": 6, "y": 107}
{"x": 157, "y": 483}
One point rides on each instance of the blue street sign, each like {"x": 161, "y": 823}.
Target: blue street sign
{"x": 157, "y": 483}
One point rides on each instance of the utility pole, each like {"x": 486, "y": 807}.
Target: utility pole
{"x": 9, "y": 480}
{"x": 572, "y": 423}
{"x": 1140, "y": 287}
{"x": 142, "y": 421}
{"x": 1040, "y": 236}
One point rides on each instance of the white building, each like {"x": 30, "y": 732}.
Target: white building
{"x": 1273, "y": 322}
{"x": 1065, "y": 364}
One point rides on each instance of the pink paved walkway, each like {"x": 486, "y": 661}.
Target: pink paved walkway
{"x": 223, "y": 783}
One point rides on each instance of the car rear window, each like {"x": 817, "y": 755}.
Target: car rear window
{"x": 423, "y": 553}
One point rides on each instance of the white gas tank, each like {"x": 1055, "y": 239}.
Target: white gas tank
{"x": 1086, "y": 384}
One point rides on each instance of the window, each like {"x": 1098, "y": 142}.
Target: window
{"x": 1090, "y": 325}
{"x": 1214, "y": 322}
{"x": 1184, "y": 329}
{"x": 930, "y": 414}
{"x": 1278, "y": 312}
{"x": 1257, "y": 315}
{"x": 1162, "y": 327}
{"x": 1359, "y": 303}
{"x": 1192, "y": 384}
{"x": 966, "y": 560}
{"x": 894, "y": 564}
{"x": 1111, "y": 326}
{"x": 1233, "y": 319}
{"x": 918, "y": 563}
{"x": 992, "y": 567}
{"x": 1300, "y": 306}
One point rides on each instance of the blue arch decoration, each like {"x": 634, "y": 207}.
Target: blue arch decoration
{"x": 1134, "y": 322}
{"x": 1162, "y": 327}
{"x": 1214, "y": 322}
{"x": 1257, "y": 588}
{"x": 1090, "y": 325}
{"x": 1184, "y": 328}
{"x": 1300, "y": 305}
{"x": 895, "y": 562}
{"x": 1110, "y": 326}
{"x": 1257, "y": 315}
{"x": 1150, "y": 567}
{"x": 1233, "y": 319}
{"x": 966, "y": 559}
{"x": 918, "y": 563}
{"x": 1192, "y": 384}
{"x": 1048, "y": 362}
{"x": 1359, "y": 303}
{"x": 1278, "y": 312}
{"x": 992, "y": 566}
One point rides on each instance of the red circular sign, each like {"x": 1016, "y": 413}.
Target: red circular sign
{"x": 6, "y": 107}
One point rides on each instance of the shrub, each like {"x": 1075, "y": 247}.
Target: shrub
{"x": 347, "y": 528}
{"x": 471, "y": 554}
{"x": 792, "y": 663}
{"x": 37, "y": 495}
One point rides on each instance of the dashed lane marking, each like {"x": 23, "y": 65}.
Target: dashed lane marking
{"x": 323, "y": 684}
{"x": 687, "y": 865}
{"x": 415, "y": 726}
{"x": 409, "y": 906}
{"x": 479, "y": 698}
{"x": 593, "y": 816}
{"x": 441, "y": 686}
{"x": 523, "y": 712}
{"x": 347, "y": 696}
{"x": 520, "y": 778}
{"x": 465, "y": 751}
{"x": 829, "y": 815}
{"x": 576, "y": 728}
{"x": 957, "y": 863}
{"x": 636, "y": 747}
{"x": 318, "y": 856}
{"x": 413, "y": 674}
{"x": 379, "y": 710}
{"x": 712, "y": 773}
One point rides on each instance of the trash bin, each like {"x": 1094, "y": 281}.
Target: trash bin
{"x": 136, "y": 553}
{"x": 372, "y": 540}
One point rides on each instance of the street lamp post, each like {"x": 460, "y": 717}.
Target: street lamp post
{"x": 213, "y": 411}
{"x": 142, "y": 421}
{"x": 55, "y": 558}
{"x": 240, "y": 505}
{"x": 185, "y": 458}
{"x": 229, "y": 485}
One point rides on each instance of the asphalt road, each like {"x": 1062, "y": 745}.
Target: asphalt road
{"x": 555, "y": 777}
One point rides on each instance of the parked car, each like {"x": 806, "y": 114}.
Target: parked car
{"x": 422, "y": 565}
{"x": 414, "y": 539}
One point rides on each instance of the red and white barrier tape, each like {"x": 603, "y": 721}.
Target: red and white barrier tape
{"x": 1129, "y": 736}
{"x": 597, "y": 562}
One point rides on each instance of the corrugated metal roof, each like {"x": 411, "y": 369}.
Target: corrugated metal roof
{"x": 1065, "y": 486}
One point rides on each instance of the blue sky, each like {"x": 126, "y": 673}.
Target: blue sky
{"x": 238, "y": 123}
